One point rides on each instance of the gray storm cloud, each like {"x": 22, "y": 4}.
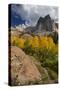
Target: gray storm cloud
{"x": 31, "y": 13}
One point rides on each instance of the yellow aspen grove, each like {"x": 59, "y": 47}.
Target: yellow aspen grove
{"x": 21, "y": 43}
{"x": 17, "y": 41}
{"x": 35, "y": 42}
{"x": 51, "y": 45}
{"x": 42, "y": 43}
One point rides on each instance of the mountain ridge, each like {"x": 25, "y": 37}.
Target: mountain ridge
{"x": 44, "y": 24}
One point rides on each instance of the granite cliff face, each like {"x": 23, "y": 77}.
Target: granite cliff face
{"x": 44, "y": 23}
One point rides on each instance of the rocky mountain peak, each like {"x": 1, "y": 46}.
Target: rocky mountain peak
{"x": 45, "y": 23}
{"x": 47, "y": 17}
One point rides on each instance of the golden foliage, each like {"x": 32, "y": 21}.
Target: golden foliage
{"x": 42, "y": 42}
{"x": 17, "y": 41}
{"x": 35, "y": 42}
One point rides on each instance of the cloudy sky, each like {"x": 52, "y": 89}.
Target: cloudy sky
{"x": 29, "y": 14}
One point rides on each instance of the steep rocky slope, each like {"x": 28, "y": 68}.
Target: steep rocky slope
{"x": 23, "y": 70}
{"x": 26, "y": 70}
